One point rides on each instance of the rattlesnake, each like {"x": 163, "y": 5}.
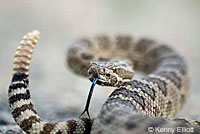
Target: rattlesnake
{"x": 135, "y": 106}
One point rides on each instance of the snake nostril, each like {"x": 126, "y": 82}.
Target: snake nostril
{"x": 89, "y": 72}
{"x": 95, "y": 75}
{"x": 93, "y": 72}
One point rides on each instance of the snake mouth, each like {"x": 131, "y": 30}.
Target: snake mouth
{"x": 101, "y": 80}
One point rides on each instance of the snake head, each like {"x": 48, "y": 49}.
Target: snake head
{"x": 111, "y": 73}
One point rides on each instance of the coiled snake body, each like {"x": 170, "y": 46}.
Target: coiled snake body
{"x": 133, "y": 107}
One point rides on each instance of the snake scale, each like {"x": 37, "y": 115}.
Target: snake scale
{"x": 135, "y": 104}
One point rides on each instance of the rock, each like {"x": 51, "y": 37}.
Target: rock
{"x": 10, "y": 129}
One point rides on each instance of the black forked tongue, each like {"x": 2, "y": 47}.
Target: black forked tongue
{"x": 89, "y": 98}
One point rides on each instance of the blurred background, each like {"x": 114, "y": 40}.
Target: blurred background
{"x": 59, "y": 94}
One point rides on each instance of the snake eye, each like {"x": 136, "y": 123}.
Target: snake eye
{"x": 108, "y": 75}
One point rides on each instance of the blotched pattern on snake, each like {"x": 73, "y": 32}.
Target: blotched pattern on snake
{"x": 135, "y": 104}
